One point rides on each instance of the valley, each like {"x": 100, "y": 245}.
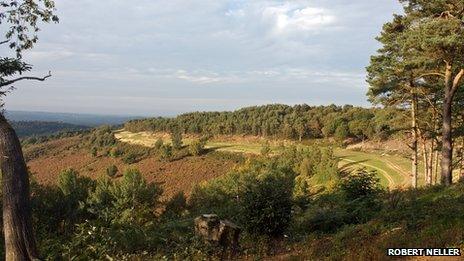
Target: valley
{"x": 393, "y": 170}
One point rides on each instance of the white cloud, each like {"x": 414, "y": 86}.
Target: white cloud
{"x": 290, "y": 18}
{"x": 214, "y": 49}
{"x": 197, "y": 77}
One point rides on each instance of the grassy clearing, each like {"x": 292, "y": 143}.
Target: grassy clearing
{"x": 393, "y": 170}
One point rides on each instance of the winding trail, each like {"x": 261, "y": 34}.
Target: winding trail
{"x": 406, "y": 175}
{"x": 391, "y": 182}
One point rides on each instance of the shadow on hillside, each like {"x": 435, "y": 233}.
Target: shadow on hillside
{"x": 215, "y": 148}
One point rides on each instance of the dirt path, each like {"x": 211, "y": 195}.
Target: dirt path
{"x": 405, "y": 174}
{"x": 391, "y": 182}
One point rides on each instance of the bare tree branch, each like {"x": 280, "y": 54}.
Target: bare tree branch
{"x": 4, "y": 42}
{"x": 6, "y": 83}
{"x": 457, "y": 81}
{"x": 431, "y": 74}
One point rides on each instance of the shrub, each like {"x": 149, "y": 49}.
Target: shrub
{"x": 266, "y": 149}
{"x": 129, "y": 200}
{"x": 116, "y": 152}
{"x": 130, "y": 158}
{"x": 158, "y": 144}
{"x": 218, "y": 196}
{"x": 101, "y": 137}
{"x": 176, "y": 206}
{"x": 93, "y": 151}
{"x": 166, "y": 152}
{"x": 135, "y": 199}
{"x": 342, "y": 132}
{"x": 74, "y": 190}
{"x": 322, "y": 219}
{"x": 197, "y": 147}
{"x": 360, "y": 184}
{"x": 111, "y": 171}
{"x": 266, "y": 204}
{"x": 361, "y": 191}
{"x": 176, "y": 139}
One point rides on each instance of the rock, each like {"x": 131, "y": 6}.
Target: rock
{"x": 220, "y": 232}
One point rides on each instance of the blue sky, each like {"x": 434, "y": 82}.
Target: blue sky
{"x": 151, "y": 57}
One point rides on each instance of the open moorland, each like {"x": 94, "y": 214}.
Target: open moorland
{"x": 392, "y": 169}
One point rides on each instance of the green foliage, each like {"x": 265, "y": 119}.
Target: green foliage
{"x": 361, "y": 184}
{"x": 176, "y": 139}
{"x": 266, "y": 204}
{"x": 74, "y": 190}
{"x": 130, "y": 158}
{"x": 101, "y": 137}
{"x": 277, "y": 120}
{"x": 121, "y": 221}
{"x": 166, "y": 152}
{"x": 197, "y": 147}
{"x": 158, "y": 144}
{"x": 43, "y": 128}
{"x": 361, "y": 191}
{"x": 116, "y": 152}
{"x": 342, "y": 132}
{"x": 93, "y": 151}
{"x": 258, "y": 196}
{"x": 175, "y": 207}
{"x": 112, "y": 171}
{"x": 22, "y": 21}
{"x": 73, "y": 185}
{"x": 266, "y": 149}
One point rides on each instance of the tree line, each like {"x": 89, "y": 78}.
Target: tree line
{"x": 43, "y": 128}
{"x": 283, "y": 121}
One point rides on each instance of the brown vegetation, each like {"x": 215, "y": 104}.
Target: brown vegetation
{"x": 47, "y": 160}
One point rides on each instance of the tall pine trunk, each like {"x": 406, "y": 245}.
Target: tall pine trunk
{"x": 447, "y": 140}
{"x": 451, "y": 86}
{"x": 414, "y": 144}
{"x": 430, "y": 165}
{"x": 436, "y": 164}
{"x": 17, "y": 224}
{"x": 426, "y": 162}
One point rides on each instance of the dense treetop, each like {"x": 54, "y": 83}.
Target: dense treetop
{"x": 282, "y": 121}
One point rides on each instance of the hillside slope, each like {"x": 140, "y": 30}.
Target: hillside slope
{"x": 47, "y": 160}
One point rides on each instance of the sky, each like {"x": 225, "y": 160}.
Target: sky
{"x": 151, "y": 57}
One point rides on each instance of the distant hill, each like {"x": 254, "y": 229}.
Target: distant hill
{"x": 42, "y": 128}
{"x": 90, "y": 120}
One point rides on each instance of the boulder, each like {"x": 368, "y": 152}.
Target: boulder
{"x": 219, "y": 232}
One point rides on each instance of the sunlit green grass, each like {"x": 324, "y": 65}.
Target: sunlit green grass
{"x": 392, "y": 170}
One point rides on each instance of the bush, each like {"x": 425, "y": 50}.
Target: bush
{"x": 93, "y": 151}
{"x": 361, "y": 184}
{"x": 218, "y": 196}
{"x": 266, "y": 204}
{"x": 342, "y": 132}
{"x": 175, "y": 207}
{"x": 196, "y": 148}
{"x": 326, "y": 220}
{"x": 135, "y": 199}
{"x": 266, "y": 149}
{"x": 361, "y": 191}
{"x": 176, "y": 139}
{"x": 74, "y": 190}
{"x": 166, "y": 152}
{"x": 112, "y": 171}
{"x": 116, "y": 152}
{"x": 158, "y": 144}
{"x": 130, "y": 158}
